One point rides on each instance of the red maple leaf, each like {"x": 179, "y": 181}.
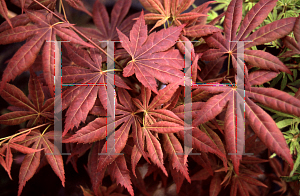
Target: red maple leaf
{"x": 262, "y": 124}
{"x": 91, "y": 79}
{"x": 227, "y": 43}
{"x": 41, "y": 34}
{"x": 31, "y": 162}
{"x": 165, "y": 10}
{"x": 36, "y": 110}
{"x": 150, "y": 57}
{"x": 13, "y": 144}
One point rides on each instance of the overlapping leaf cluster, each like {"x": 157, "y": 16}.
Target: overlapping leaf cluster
{"x": 149, "y": 124}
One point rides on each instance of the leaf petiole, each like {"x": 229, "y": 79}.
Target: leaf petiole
{"x": 12, "y": 136}
{"x": 112, "y": 70}
{"x": 46, "y": 129}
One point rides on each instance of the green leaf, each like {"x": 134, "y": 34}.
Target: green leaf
{"x": 296, "y": 165}
{"x": 276, "y": 80}
{"x": 290, "y": 77}
{"x": 293, "y": 89}
{"x": 295, "y": 72}
{"x": 285, "y": 123}
{"x": 295, "y": 83}
{"x": 289, "y": 179}
{"x": 283, "y": 82}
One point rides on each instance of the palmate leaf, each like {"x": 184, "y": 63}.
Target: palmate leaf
{"x": 262, "y": 124}
{"x": 127, "y": 116}
{"x": 80, "y": 99}
{"x": 36, "y": 110}
{"x": 151, "y": 110}
{"x": 96, "y": 130}
{"x": 227, "y": 44}
{"x": 198, "y": 26}
{"x": 141, "y": 133}
{"x": 43, "y": 32}
{"x": 31, "y": 162}
{"x": 169, "y": 123}
{"x": 240, "y": 184}
{"x": 12, "y": 144}
{"x": 245, "y": 183}
{"x": 107, "y": 27}
{"x": 150, "y": 55}
{"x": 167, "y": 9}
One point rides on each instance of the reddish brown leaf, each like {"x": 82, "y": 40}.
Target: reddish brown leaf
{"x": 31, "y": 161}
{"x": 3, "y": 12}
{"x": 260, "y": 77}
{"x": 292, "y": 44}
{"x": 272, "y": 31}
{"x": 264, "y": 126}
{"x": 253, "y": 18}
{"x": 164, "y": 11}
{"x": 45, "y": 30}
{"x": 18, "y": 20}
{"x": 95, "y": 176}
{"x": 155, "y": 151}
{"x": 81, "y": 99}
{"x": 106, "y": 28}
{"x": 35, "y": 110}
{"x": 200, "y": 30}
{"x": 174, "y": 149}
{"x": 260, "y": 121}
{"x": 12, "y": 144}
{"x": 215, "y": 185}
{"x": 119, "y": 172}
{"x": 78, "y": 4}
{"x": 121, "y": 136}
{"x": 147, "y": 52}
{"x": 276, "y": 99}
